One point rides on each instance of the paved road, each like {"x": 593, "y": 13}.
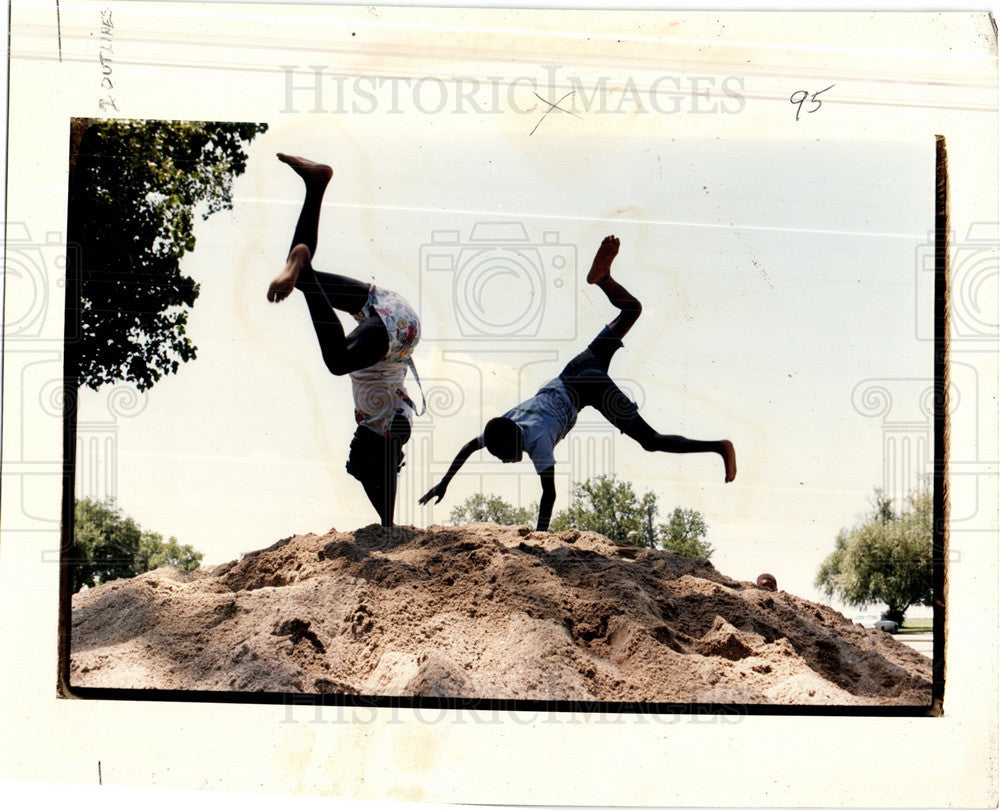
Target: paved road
{"x": 921, "y": 642}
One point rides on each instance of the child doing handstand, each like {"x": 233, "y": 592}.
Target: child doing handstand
{"x": 375, "y": 354}
{"x": 537, "y": 425}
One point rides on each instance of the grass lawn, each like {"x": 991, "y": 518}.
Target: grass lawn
{"x": 916, "y": 626}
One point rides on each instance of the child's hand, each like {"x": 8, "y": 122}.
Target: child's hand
{"x": 437, "y": 491}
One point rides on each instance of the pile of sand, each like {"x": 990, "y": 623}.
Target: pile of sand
{"x": 482, "y": 611}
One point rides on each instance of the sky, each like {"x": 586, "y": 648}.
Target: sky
{"x": 780, "y": 289}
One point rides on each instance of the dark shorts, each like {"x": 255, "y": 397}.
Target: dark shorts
{"x": 375, "y": 457}
{"x": 587, "y": 381}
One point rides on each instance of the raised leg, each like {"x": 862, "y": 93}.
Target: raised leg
{"x": 343, "y": 293}
{"x": 652, "y": 441}
{"x": 600, "y": 275}
{"x": 316, "y": 176}
{"x": 324, "y": 292}
{"x": 346, "y": 294}
{"x": 342, "y": 354}
{"x": 601, "y": 392}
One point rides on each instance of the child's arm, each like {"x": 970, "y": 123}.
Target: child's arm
{"x": 441, "y": 487}
{"x": 548, "y": 498}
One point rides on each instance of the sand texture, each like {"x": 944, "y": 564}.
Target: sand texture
{"x": 482, "y": 611}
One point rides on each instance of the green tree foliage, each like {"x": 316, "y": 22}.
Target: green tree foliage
{"x": 613, "y": 508}
{"x": 135, "y": 188}
{"x": 684, "y": 534}
{"x": 109, "y": 545}
{"x": 887, "y": 558}
{"x": 608, "y": 506}
{"x": 479, "y": 508}
{"x": 604, "y": 505}
{"x": 155, "y": 552}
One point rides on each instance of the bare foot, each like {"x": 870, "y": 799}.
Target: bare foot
{"x": 602, "y": 261}
{"x": 283, "y": 285}
{"x": 728, "y": 454}
{"x": 315, "y": 174}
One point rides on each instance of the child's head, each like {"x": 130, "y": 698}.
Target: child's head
{"x": 503, "y": 438}
{"x": 768, "y": 582}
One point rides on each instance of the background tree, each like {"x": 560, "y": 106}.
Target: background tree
{"x": 684, "y": 534}
{"x": 882, "y": 506}
{"x": 155, "y": 552}
{"x": 109, "y": 545}
{"x": 479, "y": 508}
{"x": 886, "y": 558}
{"x": 135, "y": 188}
{"x": 604, "y": 505}
{"x": 608, "y": 506}
{"x": 612, "y": 508}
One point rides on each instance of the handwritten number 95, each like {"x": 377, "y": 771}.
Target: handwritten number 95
{"x": 800, "y": 97}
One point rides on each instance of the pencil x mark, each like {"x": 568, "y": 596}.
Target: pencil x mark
{"x": 553, "y": 107}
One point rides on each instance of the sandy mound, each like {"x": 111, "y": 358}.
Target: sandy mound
{"x": 482, "y": 611}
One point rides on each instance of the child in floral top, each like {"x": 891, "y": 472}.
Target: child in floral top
{"x": 376, "y": 354}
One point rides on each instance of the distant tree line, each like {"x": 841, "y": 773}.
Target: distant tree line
{"x": 605, "y": 505}
{"x": 109, "y": 545}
